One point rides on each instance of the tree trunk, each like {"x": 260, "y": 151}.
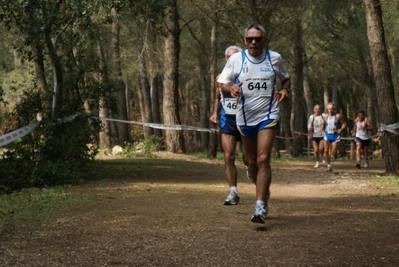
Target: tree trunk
{"x": 383, "y": 80}
{"x": 156, "y": 86}
{"x": 297, "y": 94}
{"x": 174, "y": 141}
{"x": 306, "y": 88}
{"x": 104, "y": 135}
{"x": 145, "y": 84}
{"x": 155, "y": 64}
{"x": 57, "y": 75}
{"x": 285, "y": 111}
{"x": 205, "y": 91}
{"x": 213, "y": 137}
{"x": 335, "y": 90}
{"x": 37, "y": 55}
{"x": 326, "y": 95}
{"x": 123, "y": 128}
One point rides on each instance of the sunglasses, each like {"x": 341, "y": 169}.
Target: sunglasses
{"x": 251, "y": 39}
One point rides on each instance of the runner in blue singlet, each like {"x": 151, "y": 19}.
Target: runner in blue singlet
{"x": 227, "y": 106}
{"x": 333, "y": 126}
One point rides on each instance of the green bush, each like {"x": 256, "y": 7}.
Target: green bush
{"x": 55, "y": 153}
{"x": 144, "y": 148}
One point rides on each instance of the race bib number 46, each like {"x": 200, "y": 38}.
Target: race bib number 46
{"x": 230, "y": 106}
{"x": 257, "y": 86}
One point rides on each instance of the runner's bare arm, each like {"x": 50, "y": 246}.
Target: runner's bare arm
{"x": 343, "y": 123}
{"x": 234, "y": 89}
{"x": 216, "y": 103}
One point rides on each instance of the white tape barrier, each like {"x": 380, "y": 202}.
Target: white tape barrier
{"x": 14, "y": 135}
{"x": 165, "y": 126}
{"x": 390, "y": 128}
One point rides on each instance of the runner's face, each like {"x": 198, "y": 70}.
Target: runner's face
{"x": 230, "y": 53}
{"x": 255, "y": 42}
{"x": 317, "y": 110}
{"x": 360, "y": 116}
{"x": 331, "y": 109}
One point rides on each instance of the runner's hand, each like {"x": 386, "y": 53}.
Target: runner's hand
{"x": 235, "y": 90}
{"x": 282, "y": 96}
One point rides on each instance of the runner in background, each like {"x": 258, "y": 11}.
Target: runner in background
{"x": 362, "y": 133}
{"x": 229, "y": 132}
{"x": 333, "y": 126}
{"x": 316, "y": 133}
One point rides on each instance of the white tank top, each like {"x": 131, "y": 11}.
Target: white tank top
{"x": 362, "y": 133}
{"x": 316, "y": 122}
{"x": 331, "y": 125}
{"x": 258, "y": 74}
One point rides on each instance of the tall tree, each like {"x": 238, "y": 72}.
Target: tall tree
{"x": 213, "y": 138}
{"x": 205, "y": 92}
{"x": 146, "y": 112}
{"x": 297, "y": 114}
{"x": 103, "y": 112}
{"x": 383, "y": 80}
{"x": 173, "y": 139}
{"x": 123, "y": 129}
{"x": 306, "y": 87}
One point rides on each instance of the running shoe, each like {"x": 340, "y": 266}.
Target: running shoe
{"x": 322, "y": 159}
{"x": 329, "y": 168}
{"x": 260, "y": 213}
{"x": 232, "y": 199}
{"x": 317, "y": 165}
{"x": 366, "y": 164}
{"x": 358, "y": 164}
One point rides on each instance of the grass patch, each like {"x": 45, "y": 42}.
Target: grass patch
{"x": 284, "y": 159}
{"x": 390, "y": 179}
{"x": 204, "y": 154}
{"x": 33, "y": 203}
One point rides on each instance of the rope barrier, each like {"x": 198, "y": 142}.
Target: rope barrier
{"x": 19, "y": 133}
{"x": 165, "y": 126}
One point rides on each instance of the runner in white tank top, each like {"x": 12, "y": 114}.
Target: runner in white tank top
{"x": 362, "y": 133}
{"x": 258, "y": 106}
{"x": 316, "y": 133}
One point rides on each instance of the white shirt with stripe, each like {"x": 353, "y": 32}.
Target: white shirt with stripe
{"x": 258, "y": 74}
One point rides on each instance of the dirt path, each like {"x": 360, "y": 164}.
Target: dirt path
{"x": 170, "y": 213}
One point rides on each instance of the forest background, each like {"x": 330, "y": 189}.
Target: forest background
{"x": 156, "y": 61}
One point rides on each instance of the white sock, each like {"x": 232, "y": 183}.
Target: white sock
{"x": 328, "y": 165}
{"x": 260, "y": 203}
{"x": 233, "y": 190}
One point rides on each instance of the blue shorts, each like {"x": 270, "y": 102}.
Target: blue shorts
{"x": 228, "y": 126}
{"x": 317, "y": 139}
{"x": 363, "y": 142}
{"x": 252, "y": 131}
{"x": 332, "y": 138}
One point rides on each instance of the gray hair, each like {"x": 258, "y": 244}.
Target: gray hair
{"x": 256, "y": 26}
{"x": 232, "y": 47}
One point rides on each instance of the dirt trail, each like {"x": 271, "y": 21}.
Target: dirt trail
{"x": 169, "y": 213}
